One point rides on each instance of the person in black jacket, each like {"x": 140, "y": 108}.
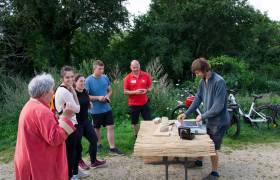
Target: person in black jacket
{"x": 85, "y": 127}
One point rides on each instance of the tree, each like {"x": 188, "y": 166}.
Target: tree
{"x": 46, "y": 28}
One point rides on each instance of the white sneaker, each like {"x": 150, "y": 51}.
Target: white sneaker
{"x": 75, "y": 177}
{"x": 82, "y": 174}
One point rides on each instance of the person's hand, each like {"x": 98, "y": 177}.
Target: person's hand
{"x": 198, "y": 118}
{"x": 102, "y": 98}
{"x": 68, "y": 111}
{"x": 181, "y": 117}
{"x": 138, "y": 91}
{"x": 144, "y": 91}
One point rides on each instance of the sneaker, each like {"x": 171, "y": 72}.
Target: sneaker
{"x": 116, "y": 151}
{"x": 98, "y": 164}
{"x": 81, "y": 174}
{"x": 83, "y": 165}
{"x": 212, "y": 176}
{"x": 74, "y": 177}
{"x": 99, "y": 148}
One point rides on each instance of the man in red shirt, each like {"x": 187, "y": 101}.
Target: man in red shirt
{"x": 136, "y": 85}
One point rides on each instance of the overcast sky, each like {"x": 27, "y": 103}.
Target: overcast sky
{"x": 272, "y": 7}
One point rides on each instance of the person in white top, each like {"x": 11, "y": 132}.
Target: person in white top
{"x": 66, "y": 94}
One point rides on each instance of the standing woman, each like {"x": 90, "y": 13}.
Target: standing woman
{"x": 66, "y": 93}
{"x": 40, "y": 148}
{"x": 85, "y": 127}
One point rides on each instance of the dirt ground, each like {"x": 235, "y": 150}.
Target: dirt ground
{"x": 260, "y": 161}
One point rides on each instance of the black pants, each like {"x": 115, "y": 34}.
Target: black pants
{"x": 136, "y": 110}
{"x": 85, "y": 129}
{"x": 71, "y": 152}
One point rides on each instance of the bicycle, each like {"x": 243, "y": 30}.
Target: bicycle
{"x": 264, "y": 115}
{"x": 234, "y": 129}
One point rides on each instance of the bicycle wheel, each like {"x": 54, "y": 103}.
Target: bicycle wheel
{"x": 180, "y": 110}
{"x": 234, "y": 129}
{"x": 269, "y": 113}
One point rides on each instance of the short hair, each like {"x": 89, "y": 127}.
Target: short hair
{"x": 65, "y": 69}
{"x": 97, "y": 63}
{"x": 77, "y": 77}
{"x": 40, "y": 85}
{"x": 135, "y": 62}
{"x": 201, "y": 64}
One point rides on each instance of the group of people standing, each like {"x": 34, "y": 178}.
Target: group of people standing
{"x": 49, "y": 136}
{"x": 53, "y": 122}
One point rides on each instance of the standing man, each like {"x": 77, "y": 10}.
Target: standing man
{"x": 136, "y": 85}
{"x": 212, "y": 91}
{"x": 99, "y": 88}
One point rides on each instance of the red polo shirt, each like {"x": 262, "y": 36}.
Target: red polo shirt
{"x": 133, "y": 83}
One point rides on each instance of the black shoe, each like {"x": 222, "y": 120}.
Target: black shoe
{"x": 212, "y": 176}
{"x": 195, "y": 164}
{"x": 116, "y": 151}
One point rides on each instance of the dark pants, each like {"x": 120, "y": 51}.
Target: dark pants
{"x": 85, "y": 129}
{"x": 216, "y": 134}
{"x": 71, "y": 152}
{"x": 136, "y": 110}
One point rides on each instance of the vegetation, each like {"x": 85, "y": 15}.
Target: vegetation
{"x": 241, "y": 43}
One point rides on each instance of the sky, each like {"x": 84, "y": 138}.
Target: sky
{"x": 272, "y": 7}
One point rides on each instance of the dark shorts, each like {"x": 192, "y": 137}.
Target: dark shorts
{"x": 136, "y": 110}
{"x": 216, "y": 134}
{"x": 102, "y": 119}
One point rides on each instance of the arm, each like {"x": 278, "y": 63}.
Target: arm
{"x": 220, "y": 97}
{"x": 110, "y": 92}
{"x": 53, "y": 133}
{"x": 69, "y": 98}
{"x": 149, "y": 83}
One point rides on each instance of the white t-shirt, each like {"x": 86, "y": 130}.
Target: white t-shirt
{"x": 63, "y": 95}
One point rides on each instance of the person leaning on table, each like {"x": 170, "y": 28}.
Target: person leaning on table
{"x": 212, "y": 92}
{"x": 40, "y": 149}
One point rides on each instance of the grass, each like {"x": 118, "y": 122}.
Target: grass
{"x": 124, "y": 139}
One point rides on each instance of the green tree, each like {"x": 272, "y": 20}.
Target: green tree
{"x": 46, "y": 29}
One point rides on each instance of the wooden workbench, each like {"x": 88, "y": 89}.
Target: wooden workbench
{"x": 148, "y": 145}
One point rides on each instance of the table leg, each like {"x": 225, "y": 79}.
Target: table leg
{"x": 186, "y": 170}
{"x": 165, "y": 160}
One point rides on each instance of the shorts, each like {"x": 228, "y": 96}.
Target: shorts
{"x": 136, "y": 110}
{"x": 102, "y": 119}
{"x": 216, "y": 134}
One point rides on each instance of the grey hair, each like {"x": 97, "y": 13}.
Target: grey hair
{"x": 40, "y": 85}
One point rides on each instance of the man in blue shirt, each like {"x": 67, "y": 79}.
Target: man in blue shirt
{"x": 99, "y": 88}
{"x": 212, "y": 91}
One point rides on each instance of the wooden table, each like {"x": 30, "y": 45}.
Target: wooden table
{"x": 147, "y": 145}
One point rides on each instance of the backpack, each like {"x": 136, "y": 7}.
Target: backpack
{"x": 52, "y": 103}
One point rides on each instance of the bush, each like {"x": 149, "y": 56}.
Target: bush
{"x": 234, "y": 71}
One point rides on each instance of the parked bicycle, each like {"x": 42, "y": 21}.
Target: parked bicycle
{"x": 233, "y": 108}
{"x": 266, "y": 115}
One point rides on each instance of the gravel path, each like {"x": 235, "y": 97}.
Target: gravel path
{"x": 260, "y": 161}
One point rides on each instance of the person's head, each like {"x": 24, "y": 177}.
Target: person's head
{"x": 80, "y": 82}
{"x": 135, "y": 66}
{"x": 201, "y": 67}
{"x": 67, "y": 75}
{"x": 98, "y": 68}
{"x": 41, "y": 87}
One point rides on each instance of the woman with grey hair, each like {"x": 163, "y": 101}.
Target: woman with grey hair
{"x": 40, "y": 149}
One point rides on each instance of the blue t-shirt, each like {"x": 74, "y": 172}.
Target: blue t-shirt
{"x": 98, "y": 86}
